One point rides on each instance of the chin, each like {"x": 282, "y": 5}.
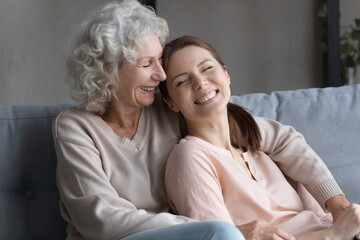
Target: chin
{"x": 148, "y": 102}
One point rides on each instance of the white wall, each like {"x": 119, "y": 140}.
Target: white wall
{"x": 267, "y": 44}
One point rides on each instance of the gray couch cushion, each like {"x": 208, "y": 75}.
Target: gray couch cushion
{"x": 329, "y": 118}
{"x": 29, "y": 200}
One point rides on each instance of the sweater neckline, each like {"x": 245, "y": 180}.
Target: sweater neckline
{"x": 212, "y": 146}
{"x": 247, "y": 156}
{"x": 137, "y": 142}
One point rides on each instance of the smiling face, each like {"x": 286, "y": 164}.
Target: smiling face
{"x": 198, "y": 85}
{"x": 138, "y": 82}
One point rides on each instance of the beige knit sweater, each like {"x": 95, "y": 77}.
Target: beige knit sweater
{"x": 111, "y": 187}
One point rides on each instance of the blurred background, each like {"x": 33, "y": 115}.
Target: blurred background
{"x": 267, "y": 45}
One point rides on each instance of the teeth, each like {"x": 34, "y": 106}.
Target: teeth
{"x": 148, "y": 88}
{"x": 206, "y": 97}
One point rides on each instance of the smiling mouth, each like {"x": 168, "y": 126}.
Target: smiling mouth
{"x": 206, "y": 97}
{"x": 148, "y": 88}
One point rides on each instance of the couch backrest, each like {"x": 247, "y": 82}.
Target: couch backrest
{"x": 29, "y": 200}
{"x": 329, "y": 119}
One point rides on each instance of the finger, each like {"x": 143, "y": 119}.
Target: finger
{"x": 276, "y": 237}
{"x": 358, "y": 236}
{"x": 284, "y": 235}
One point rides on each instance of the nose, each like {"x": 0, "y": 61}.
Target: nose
{"x": 158, "y": 74}
{"x": 199, "y": 82}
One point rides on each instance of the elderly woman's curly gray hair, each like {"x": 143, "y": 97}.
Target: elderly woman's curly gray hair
{"x": 107, "y": 39}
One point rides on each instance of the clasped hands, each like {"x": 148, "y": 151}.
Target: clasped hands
{"x": 342, "y": 211}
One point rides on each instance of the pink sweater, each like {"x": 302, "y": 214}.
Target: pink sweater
{"x": 205, "y": 182}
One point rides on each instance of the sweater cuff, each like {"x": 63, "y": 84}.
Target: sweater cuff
{"x": 325, "y": 190}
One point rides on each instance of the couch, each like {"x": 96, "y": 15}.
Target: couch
{"x": 329, "y": 118}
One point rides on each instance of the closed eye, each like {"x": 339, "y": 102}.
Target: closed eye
{"x": 146, "y": 65}
{"x": 207, "y": 68}
{"x": 151, "y": 62}
{"x": 180, "y": 83}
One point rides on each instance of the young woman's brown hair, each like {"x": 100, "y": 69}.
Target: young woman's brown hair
{"x": 244, "y": 131}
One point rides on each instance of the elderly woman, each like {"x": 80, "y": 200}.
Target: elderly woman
{"x": 218, "y": 172}
{"x": 112, "y": 147}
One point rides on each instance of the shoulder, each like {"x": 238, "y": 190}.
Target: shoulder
{"x": 188, "y": 153}
{"x": 271, "y": 129}
{"x": 265, "y": 122}
{"x": 71, "y": 114}
{"x": 190, "y": 146}
{"x": 189, "y": 163}
{"x": 74, "y": 123}
{"x": 268, "y": 123}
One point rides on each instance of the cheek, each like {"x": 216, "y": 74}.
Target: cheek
{"x": 140, "y": 76}
{"x": 223, "y": 79}
{"x": 181, "y": 97}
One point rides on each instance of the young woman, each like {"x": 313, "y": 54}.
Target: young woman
{"x": 217, "y": 172}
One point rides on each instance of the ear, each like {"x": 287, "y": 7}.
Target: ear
{"x": 171, "y": 105}
{"x": 227, "y": 75}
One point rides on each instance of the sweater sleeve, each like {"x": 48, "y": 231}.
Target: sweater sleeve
{"x": 297, "y": 159}
{"x": 91, "y": 203}
{"x": 193, "y": 186}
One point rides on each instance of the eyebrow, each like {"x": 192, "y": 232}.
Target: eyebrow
{"x": 184, "y": 73}
{"x": 202, "y": 62}
{"x": 147, "y": 57}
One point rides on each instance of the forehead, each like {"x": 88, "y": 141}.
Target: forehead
{"x": 188, "y": 56}
{"x": 149, "y": 46}
{"x": 192, "y": 52}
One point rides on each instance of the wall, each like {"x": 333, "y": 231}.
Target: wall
{"x": 349, "y": 10}
{"x": 35, "y": 35}
{"x": 267, "y": 45}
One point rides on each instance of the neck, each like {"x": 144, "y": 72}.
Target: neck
{"x": 123, "y": 120}
{"x": 215, "y": 130}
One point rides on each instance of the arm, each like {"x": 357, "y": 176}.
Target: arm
{"x": 95, "y": 208}
{"x": 337, "y": 205}
{"x": 297, "y": 160}
{"x": 92, "y": 205}
{"x": 346, "y": 227}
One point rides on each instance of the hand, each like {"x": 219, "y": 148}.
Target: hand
{"x": 259, "y": 230}
{"x": 337, "y": 205}
{"x": 348, "y": 223}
